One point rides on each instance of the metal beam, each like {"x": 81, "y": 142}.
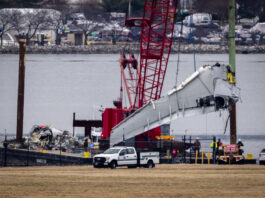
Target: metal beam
{"x": 87, "y": 124}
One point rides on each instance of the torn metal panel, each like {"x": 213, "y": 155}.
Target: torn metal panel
{"x": 207, "y": 90}
{"x": 48, "y": 138}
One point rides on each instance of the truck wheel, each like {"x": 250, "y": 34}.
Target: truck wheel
{"x": 132, "y": 166}
{"x": 113, "y": 165}
{"x": 150, "y": 164}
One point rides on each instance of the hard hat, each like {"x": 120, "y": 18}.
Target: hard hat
{"x": 197, "y": 138}
{"x": 239, "y": 140}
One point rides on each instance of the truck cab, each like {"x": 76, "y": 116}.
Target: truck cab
{"x": 125, "y": 156}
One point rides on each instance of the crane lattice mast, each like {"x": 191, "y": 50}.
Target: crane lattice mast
{"x": 144, "y": 82}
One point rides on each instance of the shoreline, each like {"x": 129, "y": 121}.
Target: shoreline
{"x": 108, "y": 48}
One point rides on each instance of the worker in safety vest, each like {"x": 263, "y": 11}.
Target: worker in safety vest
{"x": 214, "y": 147}
{"x": 212, "y": 144}
{"x": 230, "y": 75}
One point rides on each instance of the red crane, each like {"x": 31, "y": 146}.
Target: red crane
{"x": 144, "y": 81}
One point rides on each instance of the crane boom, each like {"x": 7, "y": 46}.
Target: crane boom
{"x": 157, "y": 27}
{"x": 144, "y": 81}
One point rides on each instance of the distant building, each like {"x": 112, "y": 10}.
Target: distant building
{"x": 73, "y": 35}
{"x": 198, "y": 19}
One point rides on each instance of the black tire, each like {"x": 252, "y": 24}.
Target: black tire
{"x": 113, "y": 165}
{"x": 96, "y": 165}
{"x": 132, "y": 166}
{"x": 150, "y": 164}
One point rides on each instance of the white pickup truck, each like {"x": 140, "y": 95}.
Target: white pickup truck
{"x": 125, "y": 156}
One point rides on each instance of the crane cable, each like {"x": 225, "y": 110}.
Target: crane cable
{"x": 226, "y": 123}
{"x": 192, "y": 40}
{"x": 179, "y": 44}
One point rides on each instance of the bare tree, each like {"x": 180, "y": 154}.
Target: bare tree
{"x": 17, "y": 20}
{"x": 35, "y": 20}
{"x": 5, "y": 23}
{"x": 92, "y": 9}
{"x": 86, "y": 26}
{"x": 92, "y": 12}
{"x": 59, "y": 21}
{"x": 114, "y": 5}
{"x": 29, "y": 21}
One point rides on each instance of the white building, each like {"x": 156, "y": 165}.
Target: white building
{"x": 198, "y": 19}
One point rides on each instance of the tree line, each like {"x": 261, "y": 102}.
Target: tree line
{"x": 26, "y": 24}
{"x": 104, "y": 5}
{"x": 30, "y": 22}
{"x": 219, "y": 8}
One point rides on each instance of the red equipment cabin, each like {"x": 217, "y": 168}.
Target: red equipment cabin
{"x": 144, "y": 81}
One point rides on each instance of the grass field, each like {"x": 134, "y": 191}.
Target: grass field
{"x": 162, "y": 181}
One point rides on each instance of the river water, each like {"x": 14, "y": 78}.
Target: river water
{"x": 58, "y": 85}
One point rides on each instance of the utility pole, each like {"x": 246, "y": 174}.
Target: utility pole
{"x": 21, "y": 85}
{"x": 232, "y": 62}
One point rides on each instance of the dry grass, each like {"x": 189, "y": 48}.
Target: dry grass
{"x": 162, "y": 181}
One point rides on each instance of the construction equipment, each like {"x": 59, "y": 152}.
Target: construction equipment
{"x": 144, "y": 81}
{"x": 207, "y": 90}
{"x": 230, "y": 154}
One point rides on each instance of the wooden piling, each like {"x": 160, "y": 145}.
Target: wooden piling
{"x": 21, "y": 85}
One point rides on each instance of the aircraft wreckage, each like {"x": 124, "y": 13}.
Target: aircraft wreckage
{"x": 206, "y": 90}
{"x": 48, "y": 138}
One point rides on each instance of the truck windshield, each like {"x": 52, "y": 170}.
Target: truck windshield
{"x": 111, "y": 151}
